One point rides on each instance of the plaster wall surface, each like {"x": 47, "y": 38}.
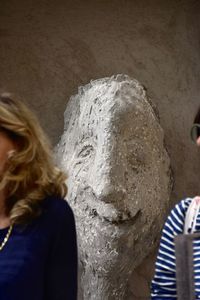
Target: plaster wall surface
{"x": 49, "y": 48}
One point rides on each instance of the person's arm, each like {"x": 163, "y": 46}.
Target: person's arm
{"x": 163, "y": 285}
{"x": 61, "y": 275}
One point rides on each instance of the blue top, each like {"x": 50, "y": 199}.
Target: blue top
{"x": 39, "y": 261}
{"x": 163, "y": 285}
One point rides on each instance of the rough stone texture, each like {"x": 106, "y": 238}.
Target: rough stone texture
{"x": 119, "y": 180}
{"x": 49, "y": 48}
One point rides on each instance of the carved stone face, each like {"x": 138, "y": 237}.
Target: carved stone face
{"x": 119, "y": 179}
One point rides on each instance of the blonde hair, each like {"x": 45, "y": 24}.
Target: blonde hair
{"x": 32, "y": 173}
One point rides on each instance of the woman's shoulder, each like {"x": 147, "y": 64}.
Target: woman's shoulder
{"x": 181, "y": 207}
{"x": 57, "y": 208}
{"x": 184, "y": 203}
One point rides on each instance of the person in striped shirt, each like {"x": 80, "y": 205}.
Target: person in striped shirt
{"x": 163, "y": 284}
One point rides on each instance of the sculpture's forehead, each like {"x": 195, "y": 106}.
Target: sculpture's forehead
{"x": 115, "y": 121}
{"x": 109, "y": 106}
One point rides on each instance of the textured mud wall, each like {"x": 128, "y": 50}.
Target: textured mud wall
{"x": 119, "y": 181}
{"x": 49, "y": 48}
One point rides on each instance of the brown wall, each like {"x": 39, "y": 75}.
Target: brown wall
{"x": 49, "y": 48}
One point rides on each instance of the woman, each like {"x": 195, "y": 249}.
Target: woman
{"x": 38, "y": 250}
{"x": 163, "y": 285}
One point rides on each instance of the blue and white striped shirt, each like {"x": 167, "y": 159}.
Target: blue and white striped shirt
{"x": 163, "y": 285}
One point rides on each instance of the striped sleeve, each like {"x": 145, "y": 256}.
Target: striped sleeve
{"x": 163, "y": 285}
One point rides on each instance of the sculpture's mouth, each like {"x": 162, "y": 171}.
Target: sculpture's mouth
{"x": 119, "y": 218}
{"x": 107, "y": 212}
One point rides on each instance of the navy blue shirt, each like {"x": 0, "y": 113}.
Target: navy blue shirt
{"x": 39, "y": 261}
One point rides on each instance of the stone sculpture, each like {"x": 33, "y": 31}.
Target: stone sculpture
{"x": 119, "y": 180}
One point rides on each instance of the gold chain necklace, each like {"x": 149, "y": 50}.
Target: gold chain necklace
{"x": 6, "y": 237}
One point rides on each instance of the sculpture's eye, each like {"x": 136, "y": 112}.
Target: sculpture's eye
{"x": 86, "y": 151}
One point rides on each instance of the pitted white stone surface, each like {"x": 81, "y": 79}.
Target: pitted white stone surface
{"x": 119, "y": 180}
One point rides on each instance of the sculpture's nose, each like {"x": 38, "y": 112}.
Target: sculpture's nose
{"x": 108, "y": 183}
{"x": 109, "y": 194}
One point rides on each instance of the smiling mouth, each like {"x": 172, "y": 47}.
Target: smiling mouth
{"x": 121, "y": 218}
{"x": 108, "y": 212}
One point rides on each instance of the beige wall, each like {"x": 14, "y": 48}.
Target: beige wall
{"x": 49, "y": 48}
